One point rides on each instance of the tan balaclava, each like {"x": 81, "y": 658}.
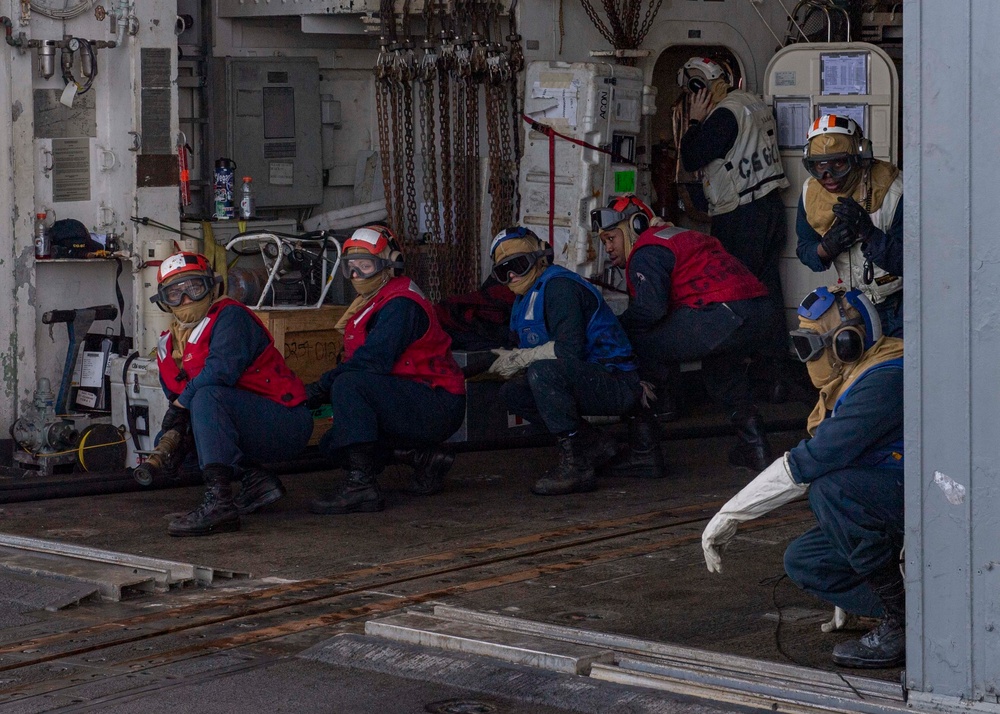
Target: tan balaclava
{"x": 867, "y": 186}
{"x": 516, "y": 246}
{"x": 367, "y": 288}
{"x": 831, "y": 376}
{"x": 719, "y": 89}
{"x": 187, "y": 317}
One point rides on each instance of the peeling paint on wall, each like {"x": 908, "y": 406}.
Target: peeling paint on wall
{"x": 16, "y": 110}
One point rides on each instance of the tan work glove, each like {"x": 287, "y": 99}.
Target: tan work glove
{"x": 510, "y": 362}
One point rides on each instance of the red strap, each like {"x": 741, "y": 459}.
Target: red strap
{"x": 552, "y": 134}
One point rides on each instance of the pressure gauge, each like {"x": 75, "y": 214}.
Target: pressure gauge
{"x": 73, "y": 44}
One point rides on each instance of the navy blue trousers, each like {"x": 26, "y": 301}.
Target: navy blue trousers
{"x": 859, "y": 511}
{"x": 720, "y": 335}
{"x": 230, "y": 424}
{"x": 394, "y": 411}
{"x": 557, "y": 392}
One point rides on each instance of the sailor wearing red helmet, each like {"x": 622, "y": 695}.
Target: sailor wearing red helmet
{"x": 398, "y": 391}
{"x": 688, "y": 300}
{"x": 230, "y": 386}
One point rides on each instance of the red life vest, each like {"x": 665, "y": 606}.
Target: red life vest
{"x": 427, "y": 360}
{"x": 704, "y": 273}
{"x": 268, "y": 376}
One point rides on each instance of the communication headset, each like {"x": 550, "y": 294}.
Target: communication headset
{"x": 632, "y": 207}
{"x": 396, "y": 260}
{"x": 833, "y": 124}
{"x": 850, "y": 339}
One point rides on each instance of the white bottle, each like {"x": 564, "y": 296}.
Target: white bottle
{"x": 248, "y": 206}
{"x": 43, "y": 246}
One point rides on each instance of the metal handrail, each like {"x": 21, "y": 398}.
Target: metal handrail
{"x": 325, "y": 239}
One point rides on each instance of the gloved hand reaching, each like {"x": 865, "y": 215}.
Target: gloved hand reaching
{"x": 176, "y": 418}
{"x": 773, "y": 487}
{"x": 510, "y": 362}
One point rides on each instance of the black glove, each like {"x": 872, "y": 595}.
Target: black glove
{"x": 316, "y": 395}
{"x": 176, "y": 418}
{"x": 839, "y": 238}
{"x": 855, "y": 216}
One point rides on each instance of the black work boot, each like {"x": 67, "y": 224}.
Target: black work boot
{"x": 430, "y": 466}
{"x": 885, "y": 646}
{"x": 643, "y": 457}
{"x": 573, "y": 474}
{"x": 753, "y": 451}
{"x": 217, "y": 512}
{"x": 258, "y": 488}
{"x": 360, "y": 492}
{"x": 599, "y": 447}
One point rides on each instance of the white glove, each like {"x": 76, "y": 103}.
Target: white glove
{"x": 510, "y": 362}
{"x": 841, "y": 620}
{"x": 773, "y": 487}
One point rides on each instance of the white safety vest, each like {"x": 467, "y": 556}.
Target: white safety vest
{"x": 752, "y": 168}
{"x": 850, "y": 264}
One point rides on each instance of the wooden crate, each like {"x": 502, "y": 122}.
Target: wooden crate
{"x": 309, "y": 343}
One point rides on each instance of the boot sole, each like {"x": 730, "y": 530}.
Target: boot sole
{"x": 227, "y": 527}
{"x": 858, "y": 663}
{"x": 265, "y": 499}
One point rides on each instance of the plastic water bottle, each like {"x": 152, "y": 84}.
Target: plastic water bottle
{"x": 248, "y": 206}
{"x": 43, "y": 246}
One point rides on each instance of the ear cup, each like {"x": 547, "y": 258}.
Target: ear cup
{"x": 866, "y": 153}
{"x": 398, "y": 264}
{"x": 848, "y": 345}
{"x": 640, "y": 223}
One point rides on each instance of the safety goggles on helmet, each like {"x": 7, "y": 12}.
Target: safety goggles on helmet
{"x": 363, "y": 265}
{"x": 196, "y": 287}
{"x": 846, "y": 340}
{"x": 618, "y": 210}
{"x": 519, "y": 264}
{"x": 837, "y": 166}
{"x": 849, "y": 339}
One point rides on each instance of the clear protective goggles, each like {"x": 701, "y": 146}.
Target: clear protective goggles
{"x": 363, "y": 265}
{"x": 846, "y": 339}
{"x": 519, "y": 264}
{"x": 196, "y": 287}
{"x": 837, "y": 166}
{"x": 602, "y": 219}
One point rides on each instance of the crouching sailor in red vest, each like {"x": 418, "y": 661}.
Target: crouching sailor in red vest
{"x": 227, "y": 381}
{"x": 573, "y": 359}
{"x": 398, "y": 392}
{"x": 851, "y": 468}
{"x": 690, "y": 300}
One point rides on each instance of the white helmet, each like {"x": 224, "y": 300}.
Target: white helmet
{"x": 833, "y": 124}
{"x": 857, "y": 154}
{"x": 698, "y": 73}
